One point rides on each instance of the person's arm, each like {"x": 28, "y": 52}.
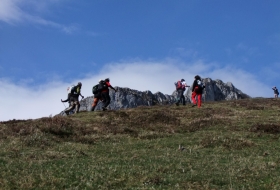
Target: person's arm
{"x": 113, "y": 88}
{"x": 194, "y": 85}
{"x": 79, "y": 92}
{"x": 110, "y": 86}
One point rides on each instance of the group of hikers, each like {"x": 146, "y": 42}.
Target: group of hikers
{"x": 101, "y": 93}
{"x": 197, "y": 90}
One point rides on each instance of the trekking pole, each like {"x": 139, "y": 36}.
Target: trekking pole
{"x": 63, "y": 104}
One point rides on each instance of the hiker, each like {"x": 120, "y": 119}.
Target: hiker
{"x": 197, "y": 89}
{"x": 97, "y": 95}
{"x": 105, "y": 94}
{"x": 74, "y": 99}
{"x": 181, "y": 87}
{"x": 276, "y": 93}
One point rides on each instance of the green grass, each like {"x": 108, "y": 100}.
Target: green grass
{"x": 224, "y": 145}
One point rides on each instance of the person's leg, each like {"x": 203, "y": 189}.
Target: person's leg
{"x": 183, "y": 99}
{"x": 106, "y": 100}
{"x": 70, "y": 108}
{"x": 95, "y": 101}
{"x": 179, "y": 94}
{"x": 193, "y": 97}
{"x": 199, "y": 97}
{"x": 77, "y": 106}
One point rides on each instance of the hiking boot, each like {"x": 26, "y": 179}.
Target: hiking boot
{"x": 92, "y": 108}
{"x": 104, "y": 108}
{"x": 177, "y": 104}
{"x": 194, "y": 105}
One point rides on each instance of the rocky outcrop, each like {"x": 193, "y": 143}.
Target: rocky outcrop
{"x": 215, "y": 90}
{"x": 129, "y": 98}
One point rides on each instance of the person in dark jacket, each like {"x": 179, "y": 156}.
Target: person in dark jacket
{"x": 105, "y": 94}
{"x": 74, "y": 99}
{"x": 197, "y": 90}
{"x": 97, "y": 96}
{"x": 276, "y": 93}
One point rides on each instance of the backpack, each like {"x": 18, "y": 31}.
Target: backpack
{"x": 70, "y": 89}
{"x": 102, "y": 85}
{"x": 74, "y": 90}
{"x": 200, "y": 84}
{"x": 95, "y": 89}
{"x": 178, "y": 85}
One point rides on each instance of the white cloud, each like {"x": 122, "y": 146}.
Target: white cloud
{"x": 13, "y": 12}
{"x": 25, "y": 102}
{"x": 10, "y": 12}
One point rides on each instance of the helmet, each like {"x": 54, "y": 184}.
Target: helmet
{"x": 79, "y": 84}
{"x": 182, "y": 80}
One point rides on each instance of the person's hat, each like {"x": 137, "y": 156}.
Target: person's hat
{"x": 182, "y": 80}
{"x": 107, "y": 79}
{"x": 197, "y": 77}
{"x": 100, "y": 80}
{"x": 79, "y": 84}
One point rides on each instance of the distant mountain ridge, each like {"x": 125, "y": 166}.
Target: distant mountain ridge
{"x": 216, "y": 90}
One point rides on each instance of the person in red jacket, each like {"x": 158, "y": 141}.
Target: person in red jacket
{"x": 197, "y": 89}
{"x": 105, "y": 94}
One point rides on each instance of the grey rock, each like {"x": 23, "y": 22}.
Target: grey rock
{"x": 217, "y": 90}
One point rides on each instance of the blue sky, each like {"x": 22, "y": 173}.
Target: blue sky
{"x": 47, "y": 45}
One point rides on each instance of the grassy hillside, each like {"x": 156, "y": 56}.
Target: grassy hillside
{"x": 223, "y": 145}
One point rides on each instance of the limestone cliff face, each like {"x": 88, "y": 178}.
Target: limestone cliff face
{"x": 129, "y": 98}
{"x": 215, "y": 90}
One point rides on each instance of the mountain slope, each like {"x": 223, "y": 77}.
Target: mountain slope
{"x": 223, "y": 145}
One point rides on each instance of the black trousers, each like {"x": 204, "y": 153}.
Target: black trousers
{"x": 181, "y": 97}
{"x": 106, "y": 98}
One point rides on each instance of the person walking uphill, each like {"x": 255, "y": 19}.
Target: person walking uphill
{"x": 105, "y": 94}
{"x": 276, "y": 93}
{"x": 97, "y": 93}
{"x": 181, "y": 87}
{"x": 197, "y": 89}
{"x": 74, "y": 99}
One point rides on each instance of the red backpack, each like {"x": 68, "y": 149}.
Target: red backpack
{"x": 178, "y": 85}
